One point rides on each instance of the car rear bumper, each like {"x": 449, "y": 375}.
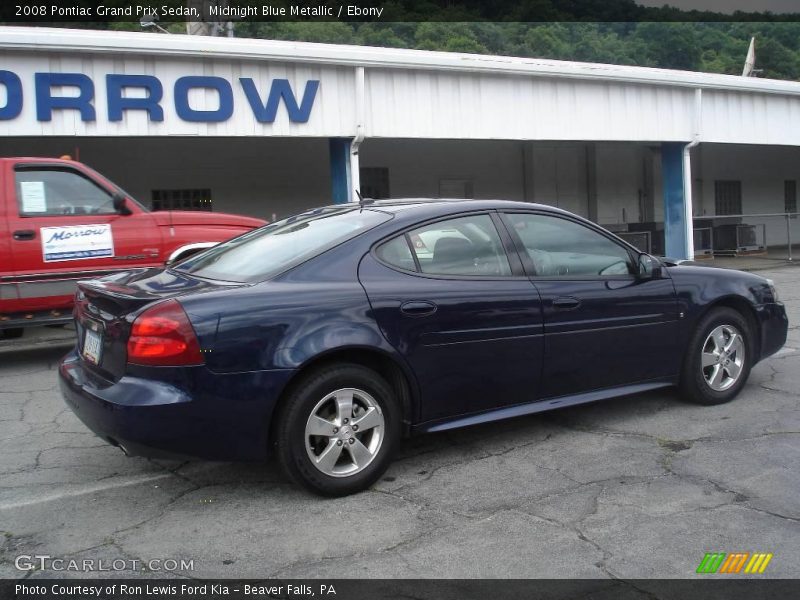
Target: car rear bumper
{"x": 199, "y": 414}
{"x": 774, "y": 327}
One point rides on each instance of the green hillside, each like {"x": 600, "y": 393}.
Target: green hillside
{"x": 718, "y": 47}
{"x": 607, "y": 31}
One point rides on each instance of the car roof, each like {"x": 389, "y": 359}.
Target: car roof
{"x": 406, "y": 211}
{"x": 396, "y": 204}
{"x": 445, "y": 206}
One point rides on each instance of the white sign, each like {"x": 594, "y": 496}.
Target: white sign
{"x": 76, "y": 242}
{"x": 32, "y": 196}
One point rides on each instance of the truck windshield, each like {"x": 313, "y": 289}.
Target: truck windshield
{"x": 99, "y": 177}
{"x": 270, "y": 250}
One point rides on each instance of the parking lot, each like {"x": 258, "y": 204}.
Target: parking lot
{"x": 639, "y": 487}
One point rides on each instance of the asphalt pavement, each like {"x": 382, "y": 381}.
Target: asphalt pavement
{"x": 637, "y": 487}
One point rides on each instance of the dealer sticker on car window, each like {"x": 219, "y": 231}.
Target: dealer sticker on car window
{"x": 77, "y": 242}
{"x": 33, "y": 198}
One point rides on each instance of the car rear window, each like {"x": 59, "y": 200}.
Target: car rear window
{"x": 270, "y": 250}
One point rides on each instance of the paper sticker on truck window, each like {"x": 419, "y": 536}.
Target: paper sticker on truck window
{"x": 77, "y": 242}
{"x": 33, "y": 199}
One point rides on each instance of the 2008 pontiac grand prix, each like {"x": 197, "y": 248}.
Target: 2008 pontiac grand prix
{"x": 328, "y": 336}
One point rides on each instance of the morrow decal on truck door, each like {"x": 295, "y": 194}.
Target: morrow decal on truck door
{"x": 76, "y": 242}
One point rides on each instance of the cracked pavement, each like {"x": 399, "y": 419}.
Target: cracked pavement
{"x": 637, "y": 487}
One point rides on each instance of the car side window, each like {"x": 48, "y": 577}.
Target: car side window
{"x": 50, "y": 192}
{"x": 560, "y": 247}
{"x": 468, "y": 246}
{"x": 397, "y": 253}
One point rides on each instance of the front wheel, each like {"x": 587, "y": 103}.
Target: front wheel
{"x": 719, "y": 357}
{"x": 338, "y": 430}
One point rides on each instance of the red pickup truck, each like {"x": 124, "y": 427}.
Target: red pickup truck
{"x": 61, "y": 222}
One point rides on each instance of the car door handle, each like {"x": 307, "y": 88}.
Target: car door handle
{"x": 24, "y": 234}
{"x": 418, "y": 308}
{"x": 566, "y": 302}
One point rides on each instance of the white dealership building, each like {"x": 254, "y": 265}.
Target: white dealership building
{"x": 272, "y": 127}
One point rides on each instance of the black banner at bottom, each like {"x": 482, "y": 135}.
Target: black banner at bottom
{"x": 712, "y": 588}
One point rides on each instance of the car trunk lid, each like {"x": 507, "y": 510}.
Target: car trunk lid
{"x": 106, "y": 308}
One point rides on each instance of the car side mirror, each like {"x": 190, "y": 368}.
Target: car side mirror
{"x": 649, "y": 267}
{"x": 120, "y": 205}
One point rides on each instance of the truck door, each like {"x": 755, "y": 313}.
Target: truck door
{"x": 8, "y": 287}
{"x": 64, "y": 227}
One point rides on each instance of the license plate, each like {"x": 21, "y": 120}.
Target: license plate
{"x": 92, "y": 346}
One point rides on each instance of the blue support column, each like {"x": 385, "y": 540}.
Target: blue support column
{"x": 676, "y": 228}
{"x": 340, "y": 170}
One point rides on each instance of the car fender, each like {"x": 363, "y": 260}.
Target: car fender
{"x": 699, "y": 293}
{"x": 326, "y": 338}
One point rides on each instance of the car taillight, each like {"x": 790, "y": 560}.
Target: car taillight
{"x": 163, "y": 336}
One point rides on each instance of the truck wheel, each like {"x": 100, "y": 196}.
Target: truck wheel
{"x": 11, "y": 334}
{"x": 718, "y": 359}
{"x": 338, "y": 429}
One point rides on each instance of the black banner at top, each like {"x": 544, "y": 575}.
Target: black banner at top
{"x": 388, "y": 11}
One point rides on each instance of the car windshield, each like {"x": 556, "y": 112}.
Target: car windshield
{"x": 265, "y": 252}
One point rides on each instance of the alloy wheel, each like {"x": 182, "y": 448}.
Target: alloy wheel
{"x": 344, "y": 432}
{"x": 723, "y": 357}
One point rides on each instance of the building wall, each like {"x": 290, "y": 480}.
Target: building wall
{"x": 426, "y": 97}
{"x": 559, "y": 176}
{"x": 620, "y": 172}
{"x": 762, "y": 171}
{"x": 745, "y": 118}
{"x": 584, "y": 137}
{"x": 439, "y": 104}
{"x": 282, "y": 176}
{"x": 285, "y": 175}
{"x": 416, "y": 167}
{"x": 258, "y": 177}
{"x": 332, "y": 113}
{"x": 557, "y": 172}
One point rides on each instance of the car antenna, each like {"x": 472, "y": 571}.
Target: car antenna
{"x": 363, "y": 201}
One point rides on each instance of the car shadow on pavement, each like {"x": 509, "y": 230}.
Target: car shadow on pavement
{"x": 419, "y": 457}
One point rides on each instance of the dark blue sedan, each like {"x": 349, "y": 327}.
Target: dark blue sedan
{"x": 332, "y": 334}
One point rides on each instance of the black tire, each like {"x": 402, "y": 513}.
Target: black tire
{"x": 694, "y": 385}
{"x": 292, "y": 446}
{"x": 12, "y": 334}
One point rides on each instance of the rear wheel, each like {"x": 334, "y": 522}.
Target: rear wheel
{"x": 718, "y": 359}
{"x": 11, "y": 334}
{"x": 338, "y": 430}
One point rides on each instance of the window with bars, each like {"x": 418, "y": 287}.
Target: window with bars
{"x": 728, "y": 197}
{"x": 189, "y": 199}
{"x": 790, "y": 195}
